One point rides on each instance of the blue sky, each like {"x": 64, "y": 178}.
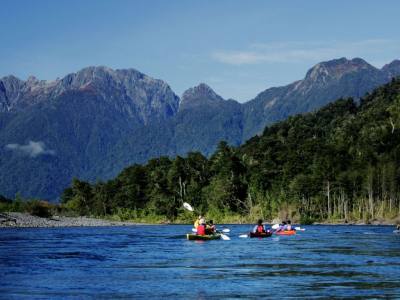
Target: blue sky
{"x": 239, "y": 48}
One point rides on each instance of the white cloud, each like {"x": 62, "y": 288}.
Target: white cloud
{"x": 31, "y": 149}
{"x": 292, "y": 52}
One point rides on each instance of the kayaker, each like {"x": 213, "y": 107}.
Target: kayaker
{"x": 210, "y": 228}
{"x": 398, "y": 227}
{"x": 201, "y": 228}
{"x": 197, "y": 222}
{"x": 259, "y": 228}
{"x": 282, "y": 227}
{"x": 288, "y": 225}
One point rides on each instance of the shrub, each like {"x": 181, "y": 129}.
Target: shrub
{"x": 306, "y": 220}
{"x": 40, "y": 209}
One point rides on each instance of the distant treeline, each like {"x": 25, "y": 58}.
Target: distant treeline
{"x": 341, "y": 162}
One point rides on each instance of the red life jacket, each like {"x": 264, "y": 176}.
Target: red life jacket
{"x": 201, "y": 229}
{"x": 260, "y": 229}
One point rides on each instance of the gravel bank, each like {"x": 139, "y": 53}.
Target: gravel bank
{"x": 27, "y": 220}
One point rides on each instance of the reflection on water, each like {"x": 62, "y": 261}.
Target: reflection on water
{"x": 157, "y": 261}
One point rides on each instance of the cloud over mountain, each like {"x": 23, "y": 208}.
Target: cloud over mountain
{"x": 32, "y": 149}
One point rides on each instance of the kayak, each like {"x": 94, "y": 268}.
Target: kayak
{"x": 260, "y": 235}
{"x": 286, "y": 232}
{"x": 207, "y": 237}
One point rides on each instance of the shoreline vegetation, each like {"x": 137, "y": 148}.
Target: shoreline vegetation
{"x": 42, "y": 214}
{"x": 26, "y": 220}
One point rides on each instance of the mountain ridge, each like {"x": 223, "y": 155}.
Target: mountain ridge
{"x": 98, "y": 120}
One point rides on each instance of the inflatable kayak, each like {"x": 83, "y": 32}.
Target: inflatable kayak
{"x": 196, "y": 237}
{"x": 286, "y": 232}
{"x": 260, "y": 235}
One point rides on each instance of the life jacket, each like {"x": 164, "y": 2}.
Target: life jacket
{"x": 201, "y": 229}
{"x": 260, "y": 229}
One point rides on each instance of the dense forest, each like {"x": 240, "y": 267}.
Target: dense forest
{"x": 338, "y": 163}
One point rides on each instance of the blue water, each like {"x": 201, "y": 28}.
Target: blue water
{"x": 150, "y": 262}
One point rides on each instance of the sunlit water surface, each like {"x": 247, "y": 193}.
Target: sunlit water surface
{"x": 150, "y": 262}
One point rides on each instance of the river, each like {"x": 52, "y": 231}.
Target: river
{"x": 152, "y": 262}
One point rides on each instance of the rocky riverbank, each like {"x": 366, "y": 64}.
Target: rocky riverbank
{"x": 26, "y": 220}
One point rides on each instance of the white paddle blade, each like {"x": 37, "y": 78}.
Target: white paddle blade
{"x": 188, "y": 206}
{"x": 226, "y": 230}
{"x": 300, "y": 229}
{"x": 225, "y": 237}
{"x": 275, "y": 226}
{"x": 243, "y": 236}
{"x": 194, "y": 230}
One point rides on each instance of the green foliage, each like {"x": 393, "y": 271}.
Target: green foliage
{"x": 40, "y": 209}
{"x": 18, "y": 204}
{"x": 307, "y": 220}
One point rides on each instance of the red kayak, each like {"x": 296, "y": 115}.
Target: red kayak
{"x": 286, "y": 232}
{"x": 260, "y": 235}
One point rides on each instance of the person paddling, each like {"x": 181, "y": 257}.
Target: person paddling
{"x": 282, "y": 227}
{"x": 259, "y": 228}
{"x": 288, "y": 226}
{"x": 201, "y": 229}
{"x": 210, "y": 228}
{"x": 197, "y": 222}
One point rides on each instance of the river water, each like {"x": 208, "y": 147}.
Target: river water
{"x": 152, "y": 262}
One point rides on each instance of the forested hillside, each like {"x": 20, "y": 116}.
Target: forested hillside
{"x": 340, "y": 162}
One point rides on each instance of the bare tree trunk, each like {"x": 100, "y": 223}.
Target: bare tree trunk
{"x": 343, "y": 208}
{"x": 334, "y": 204}
{"x": 371, "y": 193}
{"x": 180, "y": 187}
{"x": 328, "y": 194}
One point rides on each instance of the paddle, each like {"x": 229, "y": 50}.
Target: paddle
{"x": 223, "y": 236}
{"x": 188, "y": 206}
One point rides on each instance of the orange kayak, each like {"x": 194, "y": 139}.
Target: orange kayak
{"x": 286, "y": 232}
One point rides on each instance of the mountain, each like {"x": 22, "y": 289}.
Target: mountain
{"x": 322, "y": 84}
{"x": 93, "y": 123}
{"x": 73, "y": 127}
{"x": 129, "y": 91}
{"x": 205, "y": 118}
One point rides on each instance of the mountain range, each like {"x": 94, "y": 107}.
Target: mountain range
{"x": 93, "y": 123}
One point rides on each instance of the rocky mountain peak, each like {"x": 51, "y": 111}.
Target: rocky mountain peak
{"x": 335, "y": 69}
{"x": 200, "y": 93}
{"x": 392, "y": 69}
{"x": 131, "y": 91}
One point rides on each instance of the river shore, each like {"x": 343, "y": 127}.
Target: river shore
{"x": 15, "y": 219}
{"x": 25, "y": 220}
